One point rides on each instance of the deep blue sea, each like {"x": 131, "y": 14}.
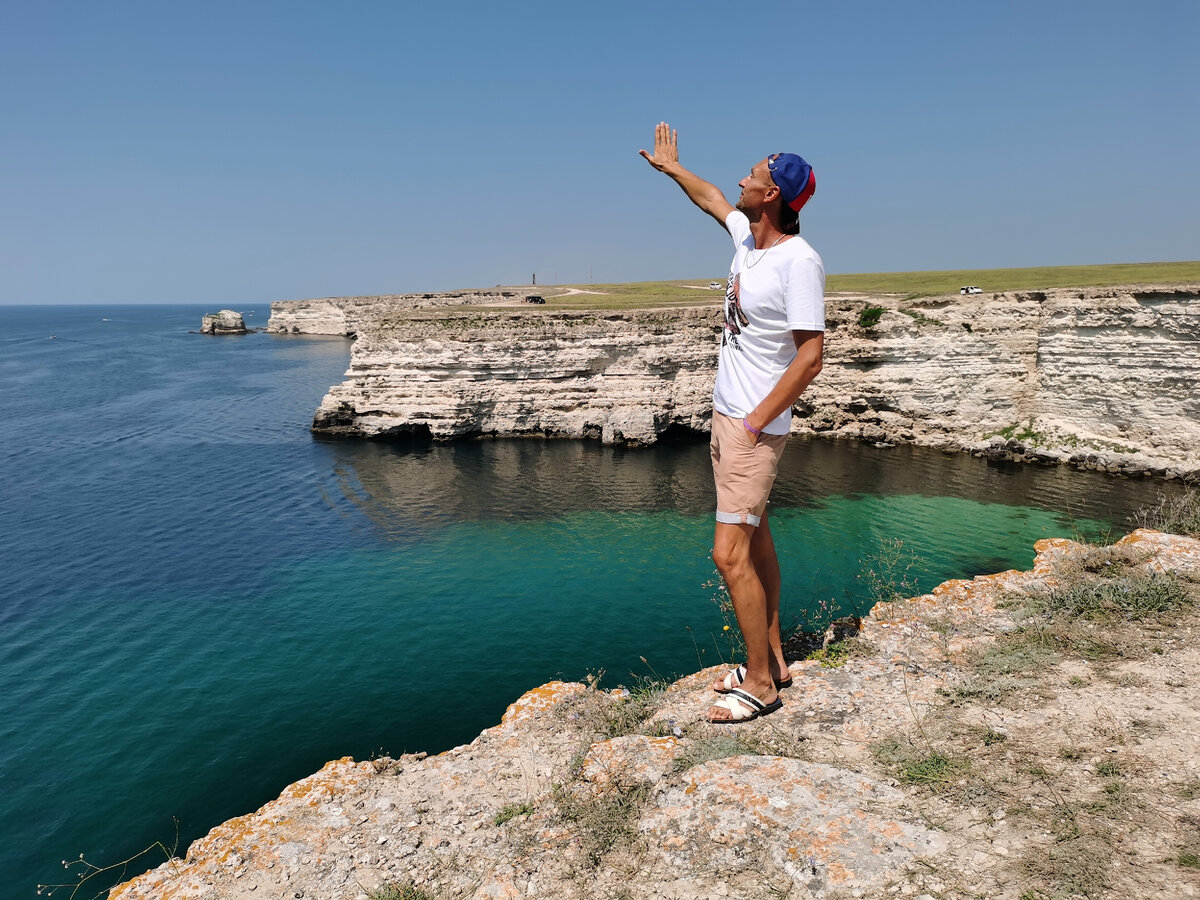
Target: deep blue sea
{"x": 200, "y": 602}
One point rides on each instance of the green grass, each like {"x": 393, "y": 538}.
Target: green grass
{"x": 695, "y": 291}
{"x": 400, "y": 892}
{"x": 837, "y": 653}
{"x": 948, "y": 282}
{"x": 1132, "y": 598}
{"x": 870, "y": 316}
{"x": 919, "y": 764}
{"x": 512, "y": 811}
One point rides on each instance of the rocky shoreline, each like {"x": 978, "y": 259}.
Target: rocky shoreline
{"x": 1097, "y": 378}
{"x": 942, "y": 751}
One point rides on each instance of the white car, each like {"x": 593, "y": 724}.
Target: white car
{"x": 970, "y": 289}
{"x": 714, "y": 285}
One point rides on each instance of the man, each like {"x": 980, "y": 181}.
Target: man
{"x": 770, "y": 350}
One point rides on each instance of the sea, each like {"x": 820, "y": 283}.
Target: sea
{"x": 201, "y": 601}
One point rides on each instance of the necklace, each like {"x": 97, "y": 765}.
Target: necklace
{"x": 751, "y": 265}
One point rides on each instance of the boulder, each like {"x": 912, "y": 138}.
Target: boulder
{"x": 227, "y": 321}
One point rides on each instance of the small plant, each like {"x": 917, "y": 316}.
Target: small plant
{"x": 602, "y": 715}
{"x": 723, "y": 745}
{"x": 1175, "y": 515}
{"x": 1110, "y": 768}
{"x": 512, "y": 811}
{"x": 717, "y": 746}
{"x": 407, "y": 891}
{"x": 88, "y": 872}
{"x": 887, "y": 573}
{"x": 920, "y": 318}
{"x": 916, "y": 765}
{"x": 835, "y": 654}
{"x": 601, "y": 823}
{"x": 1132, "y": 598}
{"x": 991, "y": 736}
{"x": 870, "y": 316}
{"x": 1188, "y": 860}
{"x": 730, "y": 633}
{"x": 1189, "y": 790}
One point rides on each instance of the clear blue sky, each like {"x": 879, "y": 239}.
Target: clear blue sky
{"x": 238, "y": 152}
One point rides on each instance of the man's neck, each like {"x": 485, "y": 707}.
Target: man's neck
{"x": 765, "y": 231}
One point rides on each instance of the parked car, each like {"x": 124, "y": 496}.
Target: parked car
{"x": 534, "y": 298}
{"x": 970, "y": 289}
{"x": 714, "y": 285}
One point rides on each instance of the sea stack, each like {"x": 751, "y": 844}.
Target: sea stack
{"x": 227, "y": 321}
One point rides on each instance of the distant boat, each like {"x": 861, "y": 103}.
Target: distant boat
{"x": 106, "y": 320}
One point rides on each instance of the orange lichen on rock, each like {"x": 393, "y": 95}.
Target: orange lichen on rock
{"x": 632, "y": 759}
{"x": 539, "y": 700}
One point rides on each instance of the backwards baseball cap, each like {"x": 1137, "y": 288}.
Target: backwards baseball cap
{"x": 794, "y": 178}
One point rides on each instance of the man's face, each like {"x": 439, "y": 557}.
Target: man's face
{"x": 755, "y": 188}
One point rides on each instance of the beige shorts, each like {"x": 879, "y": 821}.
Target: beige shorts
{"x": 744, "y": 471}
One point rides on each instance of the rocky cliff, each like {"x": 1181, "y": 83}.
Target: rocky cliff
{"x": 953, "y": 748}
{"x": 1104, "y": 378}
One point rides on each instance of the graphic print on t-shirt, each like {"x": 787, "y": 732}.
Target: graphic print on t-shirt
{"x": 734, "y": 317}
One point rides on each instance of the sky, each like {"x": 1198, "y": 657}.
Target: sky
{"x": 245, "y": 152}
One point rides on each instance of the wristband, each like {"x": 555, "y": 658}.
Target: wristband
{"x": 750, "y": 427}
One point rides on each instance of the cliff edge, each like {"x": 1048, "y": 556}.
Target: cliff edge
{"x": 1101, "y": 378}
{"x": 999, "y": 737}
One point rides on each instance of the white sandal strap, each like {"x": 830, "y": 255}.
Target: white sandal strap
{"x": 741, "y": 705}
{"x": 739, "y": 673}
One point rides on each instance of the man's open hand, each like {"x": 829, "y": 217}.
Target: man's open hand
{"x": 666, "y": 148}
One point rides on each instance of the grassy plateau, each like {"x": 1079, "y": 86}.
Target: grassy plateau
{"x": 693, "y": 292}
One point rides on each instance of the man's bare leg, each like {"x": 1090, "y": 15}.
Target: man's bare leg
{"x": 732, "y": 554}
{"x": 766, "y": 566}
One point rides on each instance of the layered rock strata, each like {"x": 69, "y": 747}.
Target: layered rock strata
{"x": 621, "y": 377}
{"x": 521, "y": 811}
{"x": 1103, "y": 378}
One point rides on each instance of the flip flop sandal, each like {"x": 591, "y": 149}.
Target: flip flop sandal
{"x": 736, "y": 676}
{"x": 743, "y": 707}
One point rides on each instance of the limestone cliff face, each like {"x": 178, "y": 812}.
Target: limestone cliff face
{"x": 620, "y": 377}
{"x": 1104, "y": 378}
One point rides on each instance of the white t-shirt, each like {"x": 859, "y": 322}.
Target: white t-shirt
{"x": 770, "y": 294}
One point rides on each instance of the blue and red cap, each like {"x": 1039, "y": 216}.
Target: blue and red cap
{"x": 794, "y": 178}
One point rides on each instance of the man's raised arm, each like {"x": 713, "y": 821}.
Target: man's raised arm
{"x": 665, "y": 158}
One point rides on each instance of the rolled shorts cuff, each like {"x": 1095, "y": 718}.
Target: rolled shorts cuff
{"x": 739, "y": 518}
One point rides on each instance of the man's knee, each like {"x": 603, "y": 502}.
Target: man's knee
{"x": 731, "y": 553}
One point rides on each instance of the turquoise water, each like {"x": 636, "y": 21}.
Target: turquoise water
{"x": 201, "y": 603}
